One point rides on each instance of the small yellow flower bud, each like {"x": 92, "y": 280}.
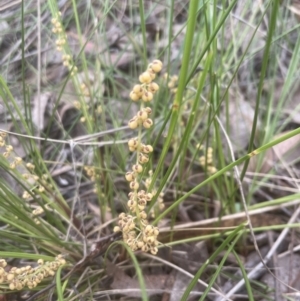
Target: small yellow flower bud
{"x": 148, "y": 149}
{"x": 149, "y": 196}
{"x": 131, "y": 226}
{"x": 131, "y": 203}
{"x": 40, "y": 261}
{"x": 122, "y": 215}
{"x": 137, "y": 89}
{"x": 19, "y": 286}
{"x": 134, "y": 96}
{"x": 134, "y": 185}
{"x": 9, "y": 148}
{"x": 209, "y": 150}
{"x": 212, "y": 169}
{"x": 99, "y": 109}
{"x": 140, "y": 244}
{"x": 35, "y": 177}
{"x": 152, "y": 74}
{"x": 153, "y": 87}
{"x": 202, "y": 160}
{"x": 137, "y": 168}
{"x": 147, "y": 123}
{"x": 148, "y": 110}
{"x": 132, "y": 143}
{"x": 147, "y": 96}
{"x": 142, "y": 115}
{"x": 145, "y": 248}
{"x": 30, "y": 166}
{"x": 129, "y": 176}
{"x": 12, "y": 286}
{"x": 149, "y": 230}
{"x": 117, "y": 229}
{"x": 141, "y": 207}
{"x": 171, "y": 85}
{"x": 145, "y": 77}
{"x": 10, "y": 276}
{"x": 174, "y": 78}
{"x": 143, "y": 215}
{"x": 3, "y": 263}
{"x": 133, "y": 123}
{"x": 154, "y": 251}
{"x": 156, "y": 66}
{"x": 150, "y": 240}
{"x": 143, "y": 158}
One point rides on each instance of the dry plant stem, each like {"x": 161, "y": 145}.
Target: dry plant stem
{"x": 230, "y": 217}
{"x": 39, "y": 48}
{"x": 77, "y": 199}
{"x": 280, "y": 238}
{"x": 265, "y": 260}
{"x": 237, "y": 176}
{"x": 184, "y": 272}
{"x": 78, "y": 139}
{"x": 257, "y": 270}
{"x": 27, "y": 38}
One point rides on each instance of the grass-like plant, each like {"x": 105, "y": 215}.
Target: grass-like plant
{"x": 96, "y": 163}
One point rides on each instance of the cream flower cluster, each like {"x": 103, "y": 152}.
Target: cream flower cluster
{"x": 58, "y": 30}
{"x": 61, "y": 41}
{"x": 137, "y": 232}
{"x": 206, "y": 161}
{"x": 8, "y": 152}
{"x": 18, "y": 278}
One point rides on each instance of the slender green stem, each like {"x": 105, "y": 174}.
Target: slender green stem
{"x": 143, "y": 27}
{"x": 265, "y": 62}
{"x": 228, "y": 168}
{"x": 182, "y": 80}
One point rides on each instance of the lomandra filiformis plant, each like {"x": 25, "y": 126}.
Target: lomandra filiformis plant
{"x": 138, "y": 233}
